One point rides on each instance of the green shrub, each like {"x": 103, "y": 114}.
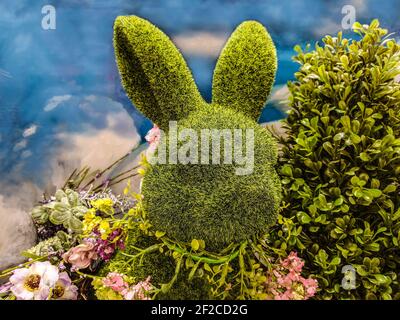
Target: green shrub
{"x": 192, "y": 201}
{"x": 341, "y": 164}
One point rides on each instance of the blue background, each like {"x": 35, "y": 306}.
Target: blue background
{"x": 45, "y": 75}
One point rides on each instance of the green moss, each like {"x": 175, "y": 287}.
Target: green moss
{"x": 246, "y": 69}
{"x": 212, "y": 202}
{"x": 160, "y": 267}
{"x": 153, "y": 72}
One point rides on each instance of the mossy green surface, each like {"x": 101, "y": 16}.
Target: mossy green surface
{"x": 245, "y": 72}
{"x": 204, "y": 201}
{"x": 160, "y": 267}
{"x": 153, "y": 72}
{"x": 212, "y": 202}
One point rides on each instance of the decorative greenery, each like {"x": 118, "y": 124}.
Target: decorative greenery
{"x": 66, "y": 209}
{"x": 97, "y": 230}
{"x": 153, "y": 72}
{"x": 341, "y": 164}
{"x": 249, "y": 48}
{"x": 186, "y": 270}
{"x": 214, "y": 203}
{"x": 47, "y": 247}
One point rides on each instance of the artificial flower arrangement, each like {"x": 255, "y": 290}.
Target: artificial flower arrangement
{"x": 88, "y": 251}
{"x": 202, "y": 232}
{"x": 85, "y": 230}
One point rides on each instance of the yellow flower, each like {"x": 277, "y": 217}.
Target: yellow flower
{"x": 90, "y": 221}
{"x": 104, "y": 229}
{"x": 105, "y": 205}
{"x": 89, "y": 215}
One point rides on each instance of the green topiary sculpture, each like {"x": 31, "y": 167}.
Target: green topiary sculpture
{"x": 206, "y": 201}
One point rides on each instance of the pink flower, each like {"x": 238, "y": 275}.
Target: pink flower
{"x": 311, "y": 286}
{"x": 292, "y": 262}
{"x": 153, "y": 136}
{"x": 5, "y": 287}
{"x": 81, "y": 256}
{"x": 139, "y": 291}
{"x": 116, "y": 282}
{"x": 285, "y": 282}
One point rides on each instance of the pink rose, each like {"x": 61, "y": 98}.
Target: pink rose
{"x": 81, "y": 256}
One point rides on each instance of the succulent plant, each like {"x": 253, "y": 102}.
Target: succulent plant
{"x": 40, "y": 214}
{"x": 66, "y": 209}
{"x": 47, "y": 247}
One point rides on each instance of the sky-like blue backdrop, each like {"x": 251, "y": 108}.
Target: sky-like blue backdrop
{"x": 60, "y": 95}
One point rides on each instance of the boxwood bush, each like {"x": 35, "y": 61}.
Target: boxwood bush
{"x": 341, "y": 165}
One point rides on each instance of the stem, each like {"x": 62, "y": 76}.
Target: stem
{"x": 98, "y": 175}
{"x": 122, "y": 179}
{"x": 202, "y": 258}
{"x": 87, "y": 275}
{"x": 151, "y": 249}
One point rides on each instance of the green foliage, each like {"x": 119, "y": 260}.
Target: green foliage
{"x": 186, "y": 271}
{"x": 234, "y": 85}
{"x": 160, "y": 266}
{"x": 153, "y": 72}
{"x": 213, "y": 203}
{"x": 66, "y": 209}
{"x": 341, "y": 164}
{"x": 47, "y": 247}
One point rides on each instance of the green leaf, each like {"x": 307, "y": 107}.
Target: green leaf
{"x": 381, "y": 279}
{"x": 287, "y": 171}
{"x": 376, "y": 193}
{"x": 304, "y": 218}
{"x": 345, "y": 60}
{"x": 195, "y": 244}
{"x": 159, "y": 234}
{"x": 364, "y": 157}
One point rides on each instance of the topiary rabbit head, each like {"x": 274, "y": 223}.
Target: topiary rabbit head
{"x": 196, "y": 200}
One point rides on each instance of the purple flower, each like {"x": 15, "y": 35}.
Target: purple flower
{"x": 64, "y": 289}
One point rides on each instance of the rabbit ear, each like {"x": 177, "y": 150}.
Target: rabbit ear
{"x": 153, "y": 72}
{"x": 245, "y": 71}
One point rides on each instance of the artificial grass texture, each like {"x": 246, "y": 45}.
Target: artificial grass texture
{"x": 197, "y": 201}
{"x": 211, "y": 202}
{"x": 153, "y": 72}
{"x": 245, "y": 71}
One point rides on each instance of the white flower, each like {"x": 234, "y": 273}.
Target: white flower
{"x": 34, "y": 283}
